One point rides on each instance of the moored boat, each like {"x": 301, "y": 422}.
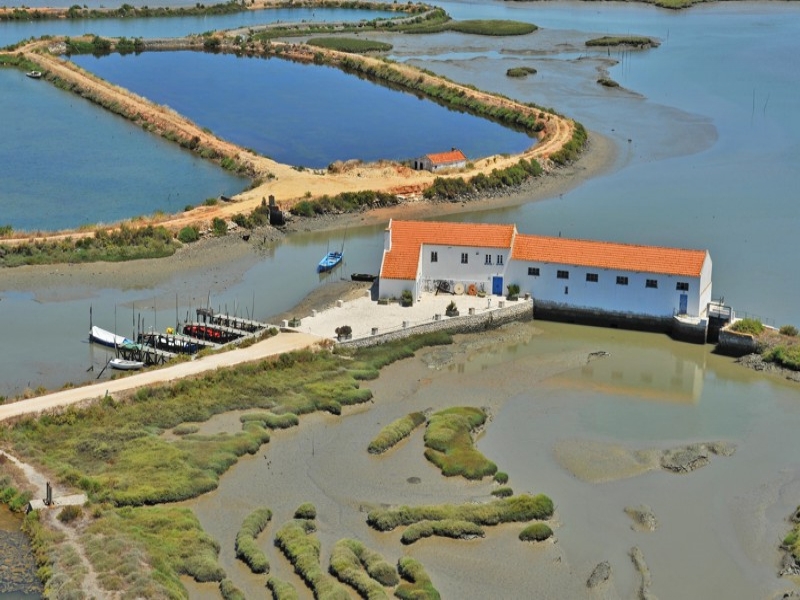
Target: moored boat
{"x": 363, "y": 277}
{"x": 329, "y": 261}
{"x": 107, "y": 338}
{"x": 122, "y": 364}
{"x": 34, "y": 74}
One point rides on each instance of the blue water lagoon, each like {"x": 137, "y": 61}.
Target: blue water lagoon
{"x": 160, "y": 27}
{"x": 302, "y": 114}
{"x": 65, "y": 163}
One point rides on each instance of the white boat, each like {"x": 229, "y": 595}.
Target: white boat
{"x": 106, "y": 338}
{"x": 122, "y": 364}
{"x": 34, "y": 74}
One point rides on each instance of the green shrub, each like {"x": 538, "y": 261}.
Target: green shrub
{"x": 451, "y": 528}
{"x": 246, "y": 548}
{"x": 306, "y": 511}
{"x": 750, "y": 326}
{"x": 189, "y": 234}
{"x": 395, "y": 432}
{"x": 785, "y": 356}
{"x": 219, "y": 227}
{"x": 789, "y": 330}
{"x": 535, "y": 532}
{"x": 70, "y": 513}
{"x": 501, "y": 477}
{"x": 406, "y": 298}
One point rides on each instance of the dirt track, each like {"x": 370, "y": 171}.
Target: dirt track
{"x": 283, "y": 342}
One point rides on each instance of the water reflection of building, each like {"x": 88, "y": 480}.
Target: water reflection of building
{"x": 651, "y": 374}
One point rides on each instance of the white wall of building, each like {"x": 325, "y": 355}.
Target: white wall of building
{"x": 605, "y": 293}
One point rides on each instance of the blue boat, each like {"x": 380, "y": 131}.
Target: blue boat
{"x": 329, "y": 261}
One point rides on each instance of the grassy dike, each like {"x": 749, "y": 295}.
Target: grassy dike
{"x": 115, "y": 452}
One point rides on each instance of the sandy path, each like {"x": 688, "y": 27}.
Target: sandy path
{"x": 287, "y": 184}
{"x": 285, "y": 342}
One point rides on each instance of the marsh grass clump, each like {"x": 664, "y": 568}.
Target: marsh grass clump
{"x": 271, "y": 420}
{"x": 536, "y": 532}
{"x": 636, "y": 41}
{"x": 346, "y": 565}
{"x": 451, "y": 528}
{"x": 352, "y": 45}
{"x": 395, "y": 432}
{"x": 186, "y": 429}
{"x": 282, "y": 590}
{"x": 449, "y": 444}
{"x": 247, "y": 549}
{"x": 417, "y": 584}
{"x": 15, "y": 499}
{"x": 229, "y": 591}
{"x": 68, "y": 514}
{"x": 494, "y": 27}
{"x": 502, "y": 510}
{"x": 306, "y": 511}
{"x": 501, "y": 477}
{"x": 169, "y": 538}
{"x": 302, "y": 549}
{"x": 503, "y": 492}
{"x": 520, "y": 71}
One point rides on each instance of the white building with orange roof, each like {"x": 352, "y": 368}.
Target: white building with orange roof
{"x": 453, "y": 159}
{"x": 625, "y": 285}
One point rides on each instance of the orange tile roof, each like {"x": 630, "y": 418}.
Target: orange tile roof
{"x": 401, "y": 261}
{"x": 609, "y": 255}
{"x": 444, "y": 158}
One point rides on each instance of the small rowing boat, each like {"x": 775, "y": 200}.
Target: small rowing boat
{"x": 363, "y": 277}
{"x": 329, "y": 261}
{"x": 122, "y": 364}
{"x": 34, "y": 74}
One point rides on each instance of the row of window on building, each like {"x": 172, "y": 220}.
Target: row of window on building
{"x": 681, "y": 286}
{"x": 487, "y": 260}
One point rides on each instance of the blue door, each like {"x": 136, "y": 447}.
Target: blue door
{"x": 684, "y": 304}
{"x": 497, "y": 286}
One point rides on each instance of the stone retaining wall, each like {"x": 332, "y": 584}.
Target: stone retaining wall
{"x": 521, "y": 310}
{"x": 733, "y": 343}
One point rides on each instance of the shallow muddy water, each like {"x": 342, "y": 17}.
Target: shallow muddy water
{"x": 718, "y": 526}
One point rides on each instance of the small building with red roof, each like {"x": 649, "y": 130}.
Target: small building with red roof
{"x": 569, "y": 278}
{"x": 454, "y": 159}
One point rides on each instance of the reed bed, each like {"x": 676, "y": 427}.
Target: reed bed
{"x": 502, "y": 510}
{"x": 297, "y": 543}
{"x": 282, "y": 590}
{"x": 417, "y": 584}
{"x": 449, "y": 444}
{"x": 247, "y": 549}
{"x": 395, "y": 432}
{"x": 451, "y": 528}
{"x": 347, "y": 568}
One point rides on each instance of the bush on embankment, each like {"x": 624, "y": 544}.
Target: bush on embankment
{"x": 344, "y": 203}
{"x": 395, "y": 432}
{"x": 247, "y": 549}
{"x": 504, "y": 510}
{"x": 125, "y": 243}
{"x": 453, "y": 188}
